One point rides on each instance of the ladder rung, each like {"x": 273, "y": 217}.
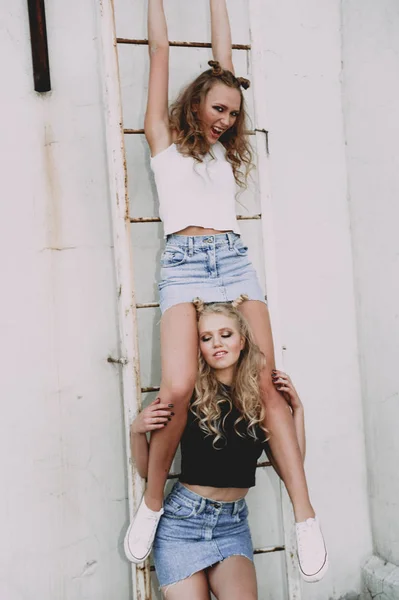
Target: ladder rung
{"x": 249, "y": 217}
{"x": 140, "y": 42}
{"x": 269, "y": 549}
{"x": 265, "y": 463}
{"x": 141, "y": 131}
{"x": 133, "y": 131}
{"x": 148, "y": 305}
{"x": 145, "y": 220}
{"x": 158, "y": 220}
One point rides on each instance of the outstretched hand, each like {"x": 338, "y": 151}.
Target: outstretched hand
{"x": 283, "y": 384}
{"x": 155, "y": 416}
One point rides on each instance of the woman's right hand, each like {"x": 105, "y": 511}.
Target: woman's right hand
{"x": 155, "y": 416}
{"x": 283, "y": 384}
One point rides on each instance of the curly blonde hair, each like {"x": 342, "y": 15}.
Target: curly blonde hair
{"x": 190, "y": 139}
{"x": 245, "y": 391}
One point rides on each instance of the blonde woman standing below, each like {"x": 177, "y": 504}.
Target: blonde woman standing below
{"x": 203, "y": 542}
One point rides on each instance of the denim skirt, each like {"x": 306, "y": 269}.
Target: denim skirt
{"x": 195, "y": 533}
{"x": 215, "y": 268}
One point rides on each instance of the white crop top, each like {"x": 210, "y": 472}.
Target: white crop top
{"x": 196, "y": 194}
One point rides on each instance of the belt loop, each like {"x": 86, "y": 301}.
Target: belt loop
{"x": 201, "y": 506}
{"x": 231, "y": 242}
{"x": 235, "y": 508}
{"x": 190, "y": 246}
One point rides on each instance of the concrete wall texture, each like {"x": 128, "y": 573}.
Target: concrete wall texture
{"x": 370, "y": 91}
{"x": 331, "y": 70}
{"x": 63, "y": 499}
{"x": 316, "y": 294}
{"x": 371, "y": 114}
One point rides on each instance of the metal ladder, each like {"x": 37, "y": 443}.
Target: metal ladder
{"x": 121, "y": 222}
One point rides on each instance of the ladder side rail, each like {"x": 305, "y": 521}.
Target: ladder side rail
{"x": 117, "y": 173}
{"x": 270, "y": 261}
{"x": 293, "y": 576}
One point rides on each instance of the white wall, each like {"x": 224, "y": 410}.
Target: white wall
{"x": 371, "y": 88}
{"x": 302, "y": 44}
{"x": 63, "y": 501}
{"x": 63, "y": 496}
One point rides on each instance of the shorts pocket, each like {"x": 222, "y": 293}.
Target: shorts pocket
{"x": 240, "y": 249}
{"x": 177, "y": 510}
{"x": 173, "y": 257}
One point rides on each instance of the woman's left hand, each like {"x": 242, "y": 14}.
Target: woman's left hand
{"x": 283, "y": 384}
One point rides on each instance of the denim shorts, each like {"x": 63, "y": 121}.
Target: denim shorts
{"x": 195, "y": 533}
{"x": 214, "y": 268}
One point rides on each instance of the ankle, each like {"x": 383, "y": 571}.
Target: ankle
{"x": 152, "y": 502}
{"x": 302, "y": 513}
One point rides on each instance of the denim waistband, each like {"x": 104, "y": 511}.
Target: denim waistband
{"x": 200, "y": 503}
{"x": 193, "y": 242}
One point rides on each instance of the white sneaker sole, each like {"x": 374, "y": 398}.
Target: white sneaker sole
{"x": 128, "y": 552}
{"x": 316, "y": 576}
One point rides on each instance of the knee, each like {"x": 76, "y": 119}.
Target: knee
{"x": 179, "y": 392}
{"x": 266, "y": 384}
{"x": 271, "y": 397}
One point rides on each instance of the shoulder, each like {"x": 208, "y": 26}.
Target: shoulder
{"x": 158, "y": 134}
{"x": 219, "y": 149}
{"x": 164, "y": 154}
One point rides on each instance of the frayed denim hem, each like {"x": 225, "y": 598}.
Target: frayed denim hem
{"x": 164, "y": 589}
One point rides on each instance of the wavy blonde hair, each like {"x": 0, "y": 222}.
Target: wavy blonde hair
{"x": 245, "y": 391}
{"x": 185, "y": 122}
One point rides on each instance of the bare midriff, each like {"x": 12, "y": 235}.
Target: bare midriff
{"x": 218, "y": 494}
{"x": 191, "y": 230}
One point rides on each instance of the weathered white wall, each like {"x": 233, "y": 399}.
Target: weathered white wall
{"x": 371, "y": 88}
{"x": 63, "y": 508}
{"x": 302, "y": 43}
{"x": 63, "y": 497}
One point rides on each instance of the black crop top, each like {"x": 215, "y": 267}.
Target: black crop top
{"x": 233, "y": 464}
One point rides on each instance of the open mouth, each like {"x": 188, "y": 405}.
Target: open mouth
{"x": 220, "y": 354}
{"x": 216, "y": 131}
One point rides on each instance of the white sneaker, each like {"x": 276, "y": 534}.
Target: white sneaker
{"x": 140, "y": 535}
{"x": 312, "y": 552}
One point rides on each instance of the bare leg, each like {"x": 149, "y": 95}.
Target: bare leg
{"x": 179, "y": 353}
{"x": 283, "y": 441}
{"x": 195, "y": 587}
{"x": 233, "y": 579}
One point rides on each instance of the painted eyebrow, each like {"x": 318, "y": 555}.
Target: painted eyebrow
{"x": 219, "y": 331}
{"x": 237, "y": 110}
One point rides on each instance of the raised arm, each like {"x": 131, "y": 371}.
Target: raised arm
{"x": 221, "y": 34}
{"x": 156, "y": 124}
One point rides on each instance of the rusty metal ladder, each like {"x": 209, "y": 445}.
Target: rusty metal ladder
{"x": 121, "y": 223}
